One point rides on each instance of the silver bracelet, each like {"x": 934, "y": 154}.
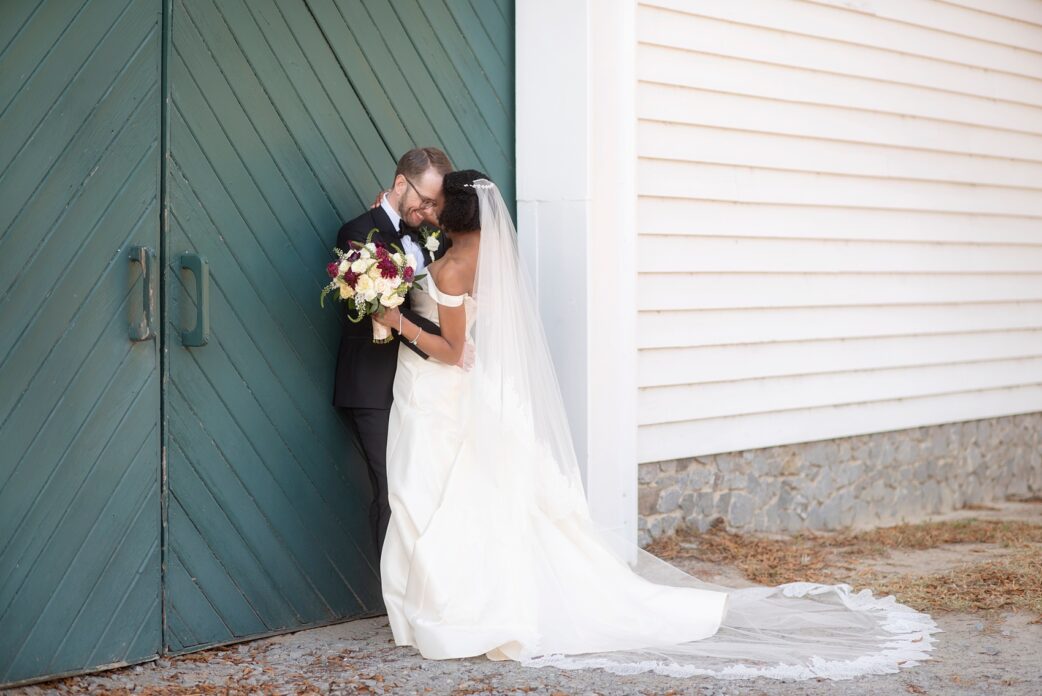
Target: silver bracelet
{"x": 413, "y": 341}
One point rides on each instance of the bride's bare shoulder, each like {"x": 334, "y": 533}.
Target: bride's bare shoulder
{"x": 453, "y": 276}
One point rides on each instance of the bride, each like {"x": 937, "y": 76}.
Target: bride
{"x": 491, "y": 548}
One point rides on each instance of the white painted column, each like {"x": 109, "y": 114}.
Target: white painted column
{"x": 576, "y": 184}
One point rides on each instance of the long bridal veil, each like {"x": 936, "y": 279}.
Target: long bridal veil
{"x": 514, "y": 405}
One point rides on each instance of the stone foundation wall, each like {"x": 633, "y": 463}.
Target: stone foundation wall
{"x": 861, "y": 481}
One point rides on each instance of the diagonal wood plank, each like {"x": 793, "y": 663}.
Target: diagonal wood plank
{"x": 285, "y": 118}
{"x": 79, "y": 411}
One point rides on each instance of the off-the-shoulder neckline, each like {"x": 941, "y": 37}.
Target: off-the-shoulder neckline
{"x": 430, "y": 279}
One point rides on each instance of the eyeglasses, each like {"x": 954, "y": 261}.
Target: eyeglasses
{"x": 425, "y": 203}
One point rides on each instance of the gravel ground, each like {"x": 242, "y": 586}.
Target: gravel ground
{"x": 976, "y": 654}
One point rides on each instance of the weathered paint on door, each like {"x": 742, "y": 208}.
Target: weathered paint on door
{"x": 79, "y": 403}
{"x": 283, "y": 118}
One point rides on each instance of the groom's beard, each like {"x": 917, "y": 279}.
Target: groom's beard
{"x": 430, "y": 218}
{"x": 407, "y": 219}
{"x": 404, "y": 214}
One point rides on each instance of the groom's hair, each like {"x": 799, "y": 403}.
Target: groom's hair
{"x": 419, "y": 159}
{"x": 460, "y": 212}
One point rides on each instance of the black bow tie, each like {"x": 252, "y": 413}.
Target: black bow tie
{"x": 406, "y": 231}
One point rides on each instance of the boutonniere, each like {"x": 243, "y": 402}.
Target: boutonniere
{"x": 431, "y": 241}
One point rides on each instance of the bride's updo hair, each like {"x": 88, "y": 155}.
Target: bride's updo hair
{"x": 460, "y": 212}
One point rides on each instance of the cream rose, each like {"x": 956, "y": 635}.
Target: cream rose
{"x": 391, "y": 299}
{"x": 363, "y": 284}
{"x": 346, "y": 291}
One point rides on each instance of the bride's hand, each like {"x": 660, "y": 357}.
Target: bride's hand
{"x": 388, "y": 317}
{"x": 379, "y": 197}
{"x": 466, "y": 359}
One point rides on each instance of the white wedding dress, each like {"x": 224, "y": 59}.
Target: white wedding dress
{"x": 491, "y": 550}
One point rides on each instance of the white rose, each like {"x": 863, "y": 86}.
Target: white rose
{"x": 374, "y": 272}
{"x": 343, "y": 266}
{"x": 383, "y": 285}
{"x": 366, "y": 252}
{"x": 391, "y": 299}
{"x": 432, "y": 244}
{"x": 360, "y": 266}
{"x": 398, "y": 258}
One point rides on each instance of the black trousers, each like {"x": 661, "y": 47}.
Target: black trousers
{"x": 370, "y": 426}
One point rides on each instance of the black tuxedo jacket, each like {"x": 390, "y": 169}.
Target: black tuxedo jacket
{"x": 365, "y": 370}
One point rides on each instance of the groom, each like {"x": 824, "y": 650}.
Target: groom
{"x": 365, "y": 370}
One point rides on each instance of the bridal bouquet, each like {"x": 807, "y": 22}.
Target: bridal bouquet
{"x": 369, "y": 278}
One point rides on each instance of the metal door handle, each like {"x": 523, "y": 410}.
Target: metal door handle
{"x": 199, "y": 267}
{"x": 141, "y": 330}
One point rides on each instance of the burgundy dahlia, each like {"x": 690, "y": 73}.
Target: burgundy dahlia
{"x": 407, "y": 274}
{"x": 332, "y": 268}
{"x": 350, "y": 277}
{"x": 387, "y": 267}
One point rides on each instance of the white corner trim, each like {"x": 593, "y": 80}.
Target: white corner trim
{"x": 576, "y": 184}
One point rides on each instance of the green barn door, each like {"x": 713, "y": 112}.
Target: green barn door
{"x": 266, "y": 509}
{"x": 80, "y": 98}
{"x": 285, "y": 119}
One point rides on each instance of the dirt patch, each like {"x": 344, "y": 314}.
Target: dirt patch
{"x": 1010, "y": 582}
{"x": 964, "y": 565}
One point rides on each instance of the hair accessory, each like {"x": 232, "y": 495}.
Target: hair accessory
{"x": 481, "y": 186}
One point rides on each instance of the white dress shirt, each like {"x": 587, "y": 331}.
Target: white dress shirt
{"x": 408, "y": 244}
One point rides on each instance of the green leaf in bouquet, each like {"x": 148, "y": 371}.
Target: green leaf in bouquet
{"x": 358, "y": 315}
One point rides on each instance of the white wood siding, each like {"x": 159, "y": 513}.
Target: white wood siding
{"x": 839, "y": 218}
